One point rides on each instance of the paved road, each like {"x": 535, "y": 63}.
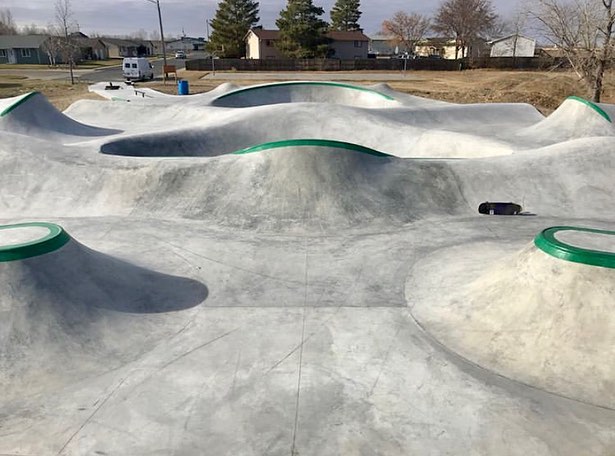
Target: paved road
{"x": 113, "y": 73}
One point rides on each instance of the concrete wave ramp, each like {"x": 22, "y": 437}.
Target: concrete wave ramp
{"x": 68, "y": 312}
{"x": 304, "y": 91}
{"x": 544, "y": 316}
{"x": 309, "y": 184}
{"x": 33, "y": 115}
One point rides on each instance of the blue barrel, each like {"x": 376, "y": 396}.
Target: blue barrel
{"x": 183, "y": 88}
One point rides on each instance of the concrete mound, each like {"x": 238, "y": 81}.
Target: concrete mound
{"x": 33, "y": 115}
{"x": 69, "y": 312}
{"x": 304, "y": 91}
{"x": 311, "y": 184}
{"x": 575, "y": 118}
{"x": 536, "y": 319}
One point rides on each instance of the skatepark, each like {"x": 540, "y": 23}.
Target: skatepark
{"x": 300, "y": 268}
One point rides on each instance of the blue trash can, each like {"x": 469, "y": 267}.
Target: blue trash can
{"x": 183, "y": 88}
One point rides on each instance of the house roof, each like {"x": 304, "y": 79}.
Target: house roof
{"x": 510, "y": 36}
{"x": 436, "y": 42}
{"x": 119, "y": 42}
{"x": 266, "y": 34}
{"x": 347, "y": 36}
{"x": 22, "y": 41}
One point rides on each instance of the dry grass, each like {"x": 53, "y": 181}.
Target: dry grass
{"x": 544, "y": 90}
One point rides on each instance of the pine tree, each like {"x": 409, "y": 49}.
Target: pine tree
{"x": 345, "y": 15}
{"x": 302, "y": 32}
{"x": 232, "y": 21}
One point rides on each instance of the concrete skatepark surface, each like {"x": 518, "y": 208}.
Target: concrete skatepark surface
{"x": 300, "y": 269}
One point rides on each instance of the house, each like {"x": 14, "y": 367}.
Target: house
{"x": 260, "y": 44}
{"x": 118, "y": 48}
{"x": 441, "y": 47}
{"x": 186, "y": 44}
{"x": 383, "y": 46}
{"x": 348, "y": 45}
{"x": 513, "y": 46}
{"x": 30, "y": 49}
{"x": 89, "y": 48}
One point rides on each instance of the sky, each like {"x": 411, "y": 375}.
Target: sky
{"x": 123, "y": 17}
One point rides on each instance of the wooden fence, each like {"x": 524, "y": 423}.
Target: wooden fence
{"x": 273, "y": 65}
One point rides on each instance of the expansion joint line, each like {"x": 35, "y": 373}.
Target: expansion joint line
{"x": 293, "y": 451}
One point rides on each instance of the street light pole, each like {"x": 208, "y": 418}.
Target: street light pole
{"x": 164, "y": 50}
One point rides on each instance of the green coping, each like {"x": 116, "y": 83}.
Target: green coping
{"x": 312, "y": 143}
{"x": 19, "y": 102}
{"x": 56, "y": 238}
{"x": 594, "y": 106}
{"x": 301, "y": 83}
{"x": 547, "y": 242}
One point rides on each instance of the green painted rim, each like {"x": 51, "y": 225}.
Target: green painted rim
{"x": 547, "y": 242}
{"x": 56, "y": 238}
{"x": 312, "y": 83}
{"x": 594, "y": 106}
{"x": 18, "y": 103}
{"x": 313, "y": 143}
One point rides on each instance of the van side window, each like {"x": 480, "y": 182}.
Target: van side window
{"x": 134, "y": 65}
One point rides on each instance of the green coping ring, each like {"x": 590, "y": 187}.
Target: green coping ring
{"x": 19, "y": 102}
{"x": 56, "y": 238}
{"x": 594, "y": 106}
{"x": 312, "y": 143}
{"x": 310, "y": 83}
{"x": 548, "y": 243}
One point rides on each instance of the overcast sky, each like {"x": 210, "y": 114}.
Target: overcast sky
{"x": 119, "y": 17}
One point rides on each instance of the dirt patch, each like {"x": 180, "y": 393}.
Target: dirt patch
{"x": 544, "y": 90}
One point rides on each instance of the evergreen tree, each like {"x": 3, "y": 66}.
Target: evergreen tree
{"x": 345, "y": 15}
{"x": 232, "y": 21}
{"x": 302, "y": 32}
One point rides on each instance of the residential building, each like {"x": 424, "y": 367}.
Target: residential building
{"x": 30, "y": 49}
{"x": 119, "y": 48}
{"x": 513, "y": 46}
{"x": 348, "y": 45}
{"x": 186, "y": 44}
{"x": 441, "y": 47}
{"x": 382, "y": 46}
{"x": 260, "y": 44}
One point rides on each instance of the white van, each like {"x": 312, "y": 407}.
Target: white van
{"x": 137, "y": 69}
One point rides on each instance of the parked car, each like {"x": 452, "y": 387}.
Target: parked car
{"x": 137, "y": 69}
{"x": 180, "y": 54}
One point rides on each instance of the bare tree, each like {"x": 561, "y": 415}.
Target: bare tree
{"x": 583, "y": 30}
{"x": 7, "y": 24}
{"x": 406, "y": 29}
{"x": 465, "y": 21}
{"x": 65, "y": 25}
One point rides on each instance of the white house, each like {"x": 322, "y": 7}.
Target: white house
{"x": 513, "y": 46}
{"x": 260, "y": 44}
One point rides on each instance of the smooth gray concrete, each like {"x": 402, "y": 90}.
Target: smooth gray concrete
{"x": 301, "y": 300}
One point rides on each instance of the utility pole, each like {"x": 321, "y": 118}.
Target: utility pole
{"x": 164, "y": 49}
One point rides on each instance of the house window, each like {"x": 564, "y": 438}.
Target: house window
{"x": 268, "y": 43}
{"x": 25, "y": 53}
{"x": 358, "y": 44}
{"x": 3, "y": 53}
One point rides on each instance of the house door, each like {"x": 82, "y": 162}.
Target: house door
{"x": 12, "y": 56}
